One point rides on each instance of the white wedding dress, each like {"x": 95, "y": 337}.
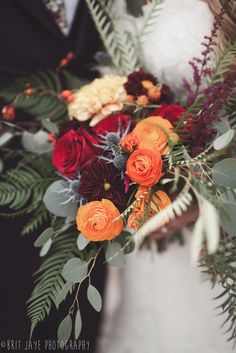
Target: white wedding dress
{"x": 159, "y": 303}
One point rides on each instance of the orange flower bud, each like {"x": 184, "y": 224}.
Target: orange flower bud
{"x": 154, "y": 94}
{"x": 142, "y": 100}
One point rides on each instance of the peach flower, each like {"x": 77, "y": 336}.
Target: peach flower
{"x": 144, "y": 167}
{"x": 98, "y": 99}
{"x": 95, "y": 220}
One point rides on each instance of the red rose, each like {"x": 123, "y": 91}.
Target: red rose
{"x": 118, "y": 122}
{"x": 74, "y": 150}
{"x": 174, "y": 113}
{"x": 169, "y": 112}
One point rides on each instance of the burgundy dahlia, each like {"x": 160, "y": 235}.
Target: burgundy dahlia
{"x": 141, "y": 83}
{"x": 134, "y": 86}
{"x": 101, "y": 180}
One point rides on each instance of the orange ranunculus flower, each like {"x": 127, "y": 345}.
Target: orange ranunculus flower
{"x": 95, "y": 220}
{"x": 160, "y": 200}
{"x": 133, "y": 220}
{"x": 144, "y": 167}
{"x": 154, "y": 132}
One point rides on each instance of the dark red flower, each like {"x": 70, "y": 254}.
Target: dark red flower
{"x": 114, "y": 122}
{"x": 169, "y": 112}
{"x": 74, "y": 150}
{"x": 68, "y": 125}
{"x": 134, "y": 85}
{"x": 174, "y": 113}
{"x": 102, "y": 180}
{"x": 137, "y": 85}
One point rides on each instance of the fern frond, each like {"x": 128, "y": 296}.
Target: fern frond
{"x": 117, "y": 41}
{"x": 223, "y": 63}
{"x": 175, "y": 209}
{"x": 44, "y": 102}
{"x": 22, "y": 192}
{"x": 39, "y": 217}
{"x": 221, "y": 268}
{"x": 149, "y": 18}
{"x": 49, "y": 280}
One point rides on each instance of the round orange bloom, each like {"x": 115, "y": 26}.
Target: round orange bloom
{"x": 144, "y": 167}
{"x": 95, "y": 220}
{"x": 154, "y": 131}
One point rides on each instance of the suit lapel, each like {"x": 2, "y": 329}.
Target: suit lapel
{"x": 39, "y": 12}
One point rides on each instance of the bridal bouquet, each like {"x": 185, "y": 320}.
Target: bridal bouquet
{"x": 107, "y": 163}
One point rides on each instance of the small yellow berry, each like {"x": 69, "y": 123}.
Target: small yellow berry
{"x": 147, "y": 84}
{"x": 107, "y": 186}
{"x": 174, "y": 138}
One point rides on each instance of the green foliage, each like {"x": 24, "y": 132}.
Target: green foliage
{"x": 21, "y": 192}
{"x": 49, "y": 280}
{"x": 116, "y": 39}
{"x": 44, "y": 102}
{"x": 221, "y": 268}
{"x": 149, "y": 18}
{"x": 223, "y": 62}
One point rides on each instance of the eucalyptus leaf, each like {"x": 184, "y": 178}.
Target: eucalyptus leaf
{"x": 43, "y": 238}
{"x": 225, "y": 173}
{"x": 228, "y": 222}
{"x": 45, "y": 248}
{"x": 224, "y": 140}
{"x": 1, "y": 166}
{"x": 63, "y": 293}
{"x": 75, "y": 270}
{"x": 56, "y": 201}
{"x": 82, "y": 242}
{"x": 64, "y": 330}
{"x": 78, "y": 324}
{"x": 94, "y": 298}
{"x": 36, "y": 143}
{"x": 5, "y": 138}
{"x": 114, "y": 255}
{"x": 50, "y": 126}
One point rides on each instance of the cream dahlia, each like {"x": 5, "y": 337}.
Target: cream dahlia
{"x": 98, "y": 99}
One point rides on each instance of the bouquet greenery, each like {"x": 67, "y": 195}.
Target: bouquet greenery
{"x": 102, "y": 165}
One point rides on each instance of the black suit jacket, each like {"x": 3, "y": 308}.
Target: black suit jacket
{"x": 30, "y": 41}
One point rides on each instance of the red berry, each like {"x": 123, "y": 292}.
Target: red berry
{"x": 8, "y": 112}
{"x": 29, "y": 91}
{"x": 70, "y": 99}
{"x": 70, "y": 56}
{"x": 64, "y": 62}
{"x": 66, "y": 93}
